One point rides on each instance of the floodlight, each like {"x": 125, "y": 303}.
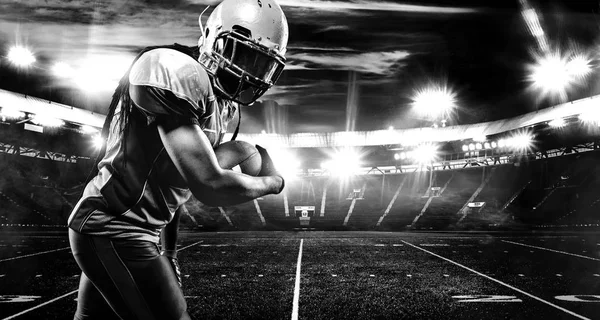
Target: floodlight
{"x": 21, "y": 56}
{"x": 425, "y": 153}
{"x": 494, "y": 144}
{"x": 11, "y": 113}
{"x": 286, "y": 163}
{"x": 344, "y": 162}
{"x": 471, "y": 146}
{"x": 465, "y": 147}
{"x": 550, "y": 74}
{"x": 556, "y": 74}
{"x": 520, "y": 141}
{"x": 391, "y": 128}
{"x": 98, "y": 141}
{"x": 402, "y": 155}
{"x": 396, "y": 156}
{"x": 47, "y": 120}
{"x": 478, "y": 146}
{"x": 486, "y": 145}
{"x": 501, "y": 143}
{"x": 434, "y": 101}
{"x": 579, "y": 66}
{"x": 557, "y": 123}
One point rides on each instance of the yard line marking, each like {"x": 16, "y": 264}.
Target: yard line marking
{"x": 191, "y": 245}
{"x": 67, "y": 294}
{"x": 500, "y": 282}
{"x": 297, "y": 285}
{"x": 542, "y": 248}
{"x": 33, "y": 254}
{"x": 40, "y": 305}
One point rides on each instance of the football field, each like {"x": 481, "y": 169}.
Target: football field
{"x": 337, "y": 275}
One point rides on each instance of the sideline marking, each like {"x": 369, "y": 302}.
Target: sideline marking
{"x": 33, "y": 254}
{"x": 70, "y": 293}
{"x": 486, "y": 298}
{"x": 297, "y": 285}
{"x": 552, "y": 250}
{"x": 500, "y": 282}
{"x": 40, "y": 305}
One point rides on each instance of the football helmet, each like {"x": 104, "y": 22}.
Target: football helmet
{"x": 243, "y": 46}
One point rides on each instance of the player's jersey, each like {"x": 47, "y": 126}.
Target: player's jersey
{"x": 138, "y": 189}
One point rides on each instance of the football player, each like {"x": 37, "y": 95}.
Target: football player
{"x": 163, "y": 131}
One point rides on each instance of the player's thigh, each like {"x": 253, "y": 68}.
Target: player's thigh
{"x": 91, "y": 304}
{"x": 154, "y": 278}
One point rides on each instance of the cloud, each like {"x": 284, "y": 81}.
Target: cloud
{"x": 334, "y": 28}
{"x": 379, "y": 63}
{"x": 309, "y": 48}
{"x": 374, "y": 6}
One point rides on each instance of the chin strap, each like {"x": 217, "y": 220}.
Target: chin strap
{"x": 237, "y": 128}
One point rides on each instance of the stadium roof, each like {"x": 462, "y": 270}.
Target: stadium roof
{"x": 406, "y": 137}
{"x": 64, "y": 112}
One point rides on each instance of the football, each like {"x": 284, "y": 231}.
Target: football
{"x": 232, "y": 154}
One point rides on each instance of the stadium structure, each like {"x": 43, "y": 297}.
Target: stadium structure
{"x": 537, "y": 170}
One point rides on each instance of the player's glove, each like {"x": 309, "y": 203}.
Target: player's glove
{"x": 267, "y": 167}
{"x": 174, "y": 264}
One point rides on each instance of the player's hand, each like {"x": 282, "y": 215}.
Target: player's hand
{"x": 268, "y": 168}
{"x": 175, "y": 265}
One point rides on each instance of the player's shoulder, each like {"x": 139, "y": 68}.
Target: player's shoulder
{"x": 172, "y": 70}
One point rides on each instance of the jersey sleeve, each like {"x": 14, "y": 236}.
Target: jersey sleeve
{"x": 166, "y": 83}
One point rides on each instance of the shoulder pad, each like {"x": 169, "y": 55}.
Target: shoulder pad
{"x": 172, "y": 70}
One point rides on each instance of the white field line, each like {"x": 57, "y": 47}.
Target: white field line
{"x": 40, "y": 305}
{"x": 552, "y": 250}
{"x": 500, "y": 282}
{"x": 191, "y": 245}
{"x": 67, "y": 294}
{"x": 297, "y": 284}
{"x": 33, "y": 254}
{"x": 259, "y": 212}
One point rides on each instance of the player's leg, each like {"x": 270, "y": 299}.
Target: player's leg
{"x": 90, "y": 303}
{"x": 134, "y": 279}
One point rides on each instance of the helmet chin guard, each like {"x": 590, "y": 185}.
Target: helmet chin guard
{"x": 243, "y": 48}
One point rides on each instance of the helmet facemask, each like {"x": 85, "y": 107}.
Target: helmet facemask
{"x": 243, "y": 69}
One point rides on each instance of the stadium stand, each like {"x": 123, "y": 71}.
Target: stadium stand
{"x": 472, "y": 184}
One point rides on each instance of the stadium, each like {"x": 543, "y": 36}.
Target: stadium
{"x": 425, "y": 217}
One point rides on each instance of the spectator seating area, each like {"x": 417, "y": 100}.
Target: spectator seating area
{"x": 550, "y": 192}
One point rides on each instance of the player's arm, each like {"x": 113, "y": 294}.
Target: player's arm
{"x": 193, "y": 155}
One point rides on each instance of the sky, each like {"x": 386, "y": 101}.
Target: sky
{"x": 351, "y": 65}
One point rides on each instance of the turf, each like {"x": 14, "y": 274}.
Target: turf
{"x": 344, "y": 275}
